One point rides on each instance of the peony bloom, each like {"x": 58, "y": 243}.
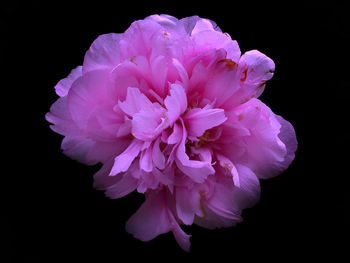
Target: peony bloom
{"x": 170, "y": 109}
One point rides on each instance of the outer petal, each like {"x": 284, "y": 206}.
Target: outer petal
{"x": 88, "y": 92}
{"x": 254, "y": 70}
{"x": 154, "y": 218}
{"x": 209, "y": 39}
{"x": 124, "y": 186}
{"x": 63, "y": 86}
{"x": 288, "y": 137}
{"x": 191, "y": 22}
{"x": 260, "y": 68}
{"x": 265, "y": 152}
{"x": 103, "y": 54}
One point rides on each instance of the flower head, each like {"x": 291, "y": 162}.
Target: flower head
{"x": 170, "y": 109}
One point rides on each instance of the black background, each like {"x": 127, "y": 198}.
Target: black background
{"x": 52, "y": 212}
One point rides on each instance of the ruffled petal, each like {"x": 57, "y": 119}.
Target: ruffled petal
{"x": 176, "y": 103}
{"x": 196, "y": 170}
{"x": 199, "y": 120}
{"x": 123, "y": 161}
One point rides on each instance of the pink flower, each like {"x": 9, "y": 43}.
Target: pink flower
{"x": 170, "y": 109}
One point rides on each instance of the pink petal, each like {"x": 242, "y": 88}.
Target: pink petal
{"x": 123, "y": 161}
{"x": 146, "y": 163}
{"x": 260, "y": 68}
{"x": 137, "y": 39}
{"x": 176, "y": 103}
{"x": 103, "y": 54}
{"x": 176, "y": 135}
{"x": 199, "y": 120}
{"x": 265, "y": 153}
{"x": 154, "y": 218}
{"x": 149, "y": 123}
{"x": 288, "y": 138}
{"x": 124, "y": 186}
{"x": 196, "y": 170}
{"x": 184, "y": 206}
{"x": 102, "y": 180}
{"x": 134, "y": 102}
{"x": 157, "y": 155}
{"x": 88, "y": 92}
{"x": 230, "y": 167}
{"x": 250, "y": 186}
{"x": 63, "y": 86}
{"x": 208, "y": 39}
{"x": 78, "y": 148}
{"x": 255, "y": 69}
{"x": 61, "y": 118}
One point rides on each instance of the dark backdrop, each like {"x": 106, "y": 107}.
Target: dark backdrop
{"x": 51, "y": 210}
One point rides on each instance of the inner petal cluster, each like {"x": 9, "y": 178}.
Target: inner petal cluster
{"x": 169, "y": 134}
